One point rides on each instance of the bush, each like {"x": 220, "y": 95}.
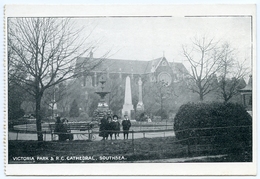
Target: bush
{"x": 14, "y": 114}
{"x": 141, "y": 116}
{"x": 224, "y": 125}
{"x": 162, "y": 113}
{"x": 83, "y": 116}
{"x": 74, "y": 109}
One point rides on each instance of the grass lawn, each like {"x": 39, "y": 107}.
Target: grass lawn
{"x": 100, "y": 151}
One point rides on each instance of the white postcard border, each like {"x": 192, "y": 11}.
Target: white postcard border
{"x": 130, "y": 168}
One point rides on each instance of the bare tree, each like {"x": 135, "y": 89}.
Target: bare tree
{"x": 158, "y": 97}
{"x": 55, "y": 95}
{"x": 231, "y": 73}
{"x": 204, "y": 58}
{"x": 45, "y": 49}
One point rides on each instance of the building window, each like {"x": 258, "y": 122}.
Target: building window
{"x": 165, "y": 77}
{"x": 164, "y": 63}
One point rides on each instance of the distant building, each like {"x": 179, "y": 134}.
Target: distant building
{"x": 116, "y": 71}
{"x": 155, "y": 70}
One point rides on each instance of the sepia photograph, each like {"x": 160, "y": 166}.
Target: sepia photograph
{"x": 142, "y": 88}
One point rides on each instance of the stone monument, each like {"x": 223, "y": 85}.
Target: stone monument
{"x": 140, "y": 104}
{"x": 128, "y": 106}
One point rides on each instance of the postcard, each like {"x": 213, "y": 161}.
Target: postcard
{"x": 130, "y": 90}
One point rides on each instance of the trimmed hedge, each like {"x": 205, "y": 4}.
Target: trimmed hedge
{"x": 224, "y": 125}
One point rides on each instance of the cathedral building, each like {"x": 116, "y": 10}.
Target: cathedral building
{"x": 155, "y": 70}
{"x": 141, "y": 74}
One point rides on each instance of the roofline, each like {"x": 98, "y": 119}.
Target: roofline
{"x": 117, "y": 59}
{"x": 132, "y": 60}
{"x": 121, "y": 73}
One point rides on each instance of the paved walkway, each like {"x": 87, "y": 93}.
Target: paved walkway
{"x": 179, "y": 160}
{"x": 82, "y": 136}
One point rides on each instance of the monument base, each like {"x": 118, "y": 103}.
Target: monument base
{"x": 127, "y": 108}
{"x": 100, "y": 112}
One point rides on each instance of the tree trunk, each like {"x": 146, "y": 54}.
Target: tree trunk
{"x": 201, "y": 94}
{"x": 38, "y": 98}
{"x": 201, "y": 97}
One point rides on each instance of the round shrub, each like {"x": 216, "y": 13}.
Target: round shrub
{"x": 83, "y": 116}
{"x": 226, "y": 125}
{"x": 141, "y": 116}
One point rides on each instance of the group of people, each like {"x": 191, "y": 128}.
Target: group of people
{"x": 62, "y": 129}
{"x": 110, "y": 125}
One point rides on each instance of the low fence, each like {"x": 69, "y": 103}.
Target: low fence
{"x": 156, "y": 143}
{"x": 20, "y": 132}
{"x": 89, "y": 134}
{"x": 31, "y": 127}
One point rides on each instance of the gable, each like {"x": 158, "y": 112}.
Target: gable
{"x": 162, "y": 63}
{"x": 130, "y": 66}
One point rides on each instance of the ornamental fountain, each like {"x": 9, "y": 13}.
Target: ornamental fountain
{"x": 102, "y": 108}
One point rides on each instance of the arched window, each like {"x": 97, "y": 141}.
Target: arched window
{"x": 165, "y": 77}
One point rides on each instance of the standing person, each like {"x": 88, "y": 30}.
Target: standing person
{"x": 126, "y": 126}
{"x": 103, "y": 128}
{"x": 67, "y": 130}
{"x": 117, "y": 125}
{"x": 110, "y": 126}
{"x": 65, "y": 124}
{"x": 59, "y": 129}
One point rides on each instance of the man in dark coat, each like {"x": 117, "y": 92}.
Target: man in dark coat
{"x": 126, "y": 126}
{"x": 103, "y": 128}
{"x": 60, "y": 129}
{"x": 67, "y": 130}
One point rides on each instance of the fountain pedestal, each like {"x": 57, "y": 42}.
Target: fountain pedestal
{"x": 102, "y": 108}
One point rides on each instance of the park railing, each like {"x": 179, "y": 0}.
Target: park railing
{"x": 157, "y": 142}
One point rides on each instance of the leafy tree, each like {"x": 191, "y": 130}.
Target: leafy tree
{"x": 15, "y": 99}
{"x": 74, "y": 109}
{"x": 116, "y": 95}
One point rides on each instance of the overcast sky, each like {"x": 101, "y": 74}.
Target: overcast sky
{"x": 146, "y": 38}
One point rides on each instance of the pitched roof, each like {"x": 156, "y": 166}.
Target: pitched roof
{"x": 126, "y": 66}
{"x": 151, "y": 64}
{"x": 248, "y": 87}
{"x": 179, "y": 67}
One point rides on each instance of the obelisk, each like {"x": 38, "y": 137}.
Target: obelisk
{"x": 128, "y": 106}
{"x": 140, "y": 104}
